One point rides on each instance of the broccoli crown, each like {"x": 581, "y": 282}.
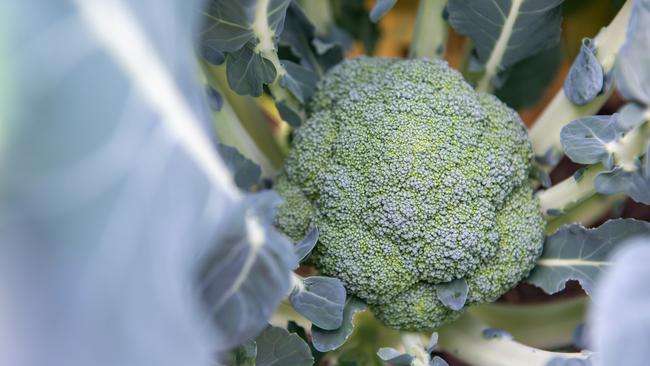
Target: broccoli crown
{"x": 413, "y": 179}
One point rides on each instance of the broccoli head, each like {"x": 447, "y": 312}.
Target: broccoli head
{"x": 413, "y": 180}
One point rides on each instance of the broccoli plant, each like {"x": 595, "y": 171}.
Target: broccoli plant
{"x": 255, "y": 183}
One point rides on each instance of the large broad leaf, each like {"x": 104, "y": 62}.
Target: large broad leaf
{"x": 632, "y": 74}
{"x": 111, "y": 191}
{"x": 528, "y": 79}
{"x": 578, "y": 253}
{"x": 229, "y": 25}
{"x": 620, "y": 318}
{"x": 249, "y": 273}
{"x": 506, "y": 31}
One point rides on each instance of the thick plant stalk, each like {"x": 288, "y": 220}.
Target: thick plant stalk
{"x": 570, "y": 192}
{"x": 587, "y": 212}
{"x": 464, "y": 340}
{"x": 545, "y": 132}
{"x": 244, "y": 125}
{"x": 430, "y": 32}
{"x": 548, "y": 325}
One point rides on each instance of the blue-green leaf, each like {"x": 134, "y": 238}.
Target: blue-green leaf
{"x": 307, "y": 244}
{"x": 635, "y": 183}
{"x": 245, "y": 172}
{"x": 211, "y": 52}
{"x": 380, "y": 9}
{"x": 300, "y": 37}
{"x": 527, "y": 79}
{"x": 586, "y": 78}
{"x": 506, "y": 31}
{"x": 328, "y": 340}
{"x": 438, "y": 361}
{"x": 394, "y": 357}
{"x": 248, "y": 71}
{"x": 631, "y": 116}
{"x": 288, "y": 114}
{"x": 244, "y": 279}
{"x": 299, "y": 80}
{"x": 277, "y": 347}
{"x": 577, "y": 253}
{"x": 453, "y": 294}
{"x": 433, "y": 342}
{"x": 228, "y": 25}
{"x": 321, "y": 300}
{"x": 585, "y": 140}
{"x": 631, "y": 70}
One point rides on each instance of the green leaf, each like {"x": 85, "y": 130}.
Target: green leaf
{"x": 631, "y": 116}
{"x": 506, "y": 31}
{"x": 328, "y": 340}
{"x": 245, "y": 172}
{"x": 635, "y": 183}
{"x": 229, "y": 25}
{"x": 527, "y": 80}
{"x": 453, "y": 294}
{"x": 307, "y": 244}
{"x": 380, "y": 9}
{"x": 243, "y": 280}
{"x": 586, "y": 140}
{"x": 300, "y": 36}
{"x": 299, "y": 80}
{"x": 321, "y": 300}
{"x": 577, "y": 253}
{"x": 586, "y": 78}
{"x": 290, "y": 115}
{"x": 351, "y": 16}
{"x": 438, "y": 361}
{"x": 248, "y": 71}
{"x": 277, "y": 347}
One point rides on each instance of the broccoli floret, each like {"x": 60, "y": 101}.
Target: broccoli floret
{"x": 413, "y": 179}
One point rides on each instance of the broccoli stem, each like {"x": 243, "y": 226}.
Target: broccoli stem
{"x": 548, "y": 325}
{"x": 569, "y": 193}
{"x": 430, "y": 32}
{"x": 464, "y": 339}
{"x": 586, "y": 212}
{"x": 545, "y": 132}
{"x": 242, "y": 124}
